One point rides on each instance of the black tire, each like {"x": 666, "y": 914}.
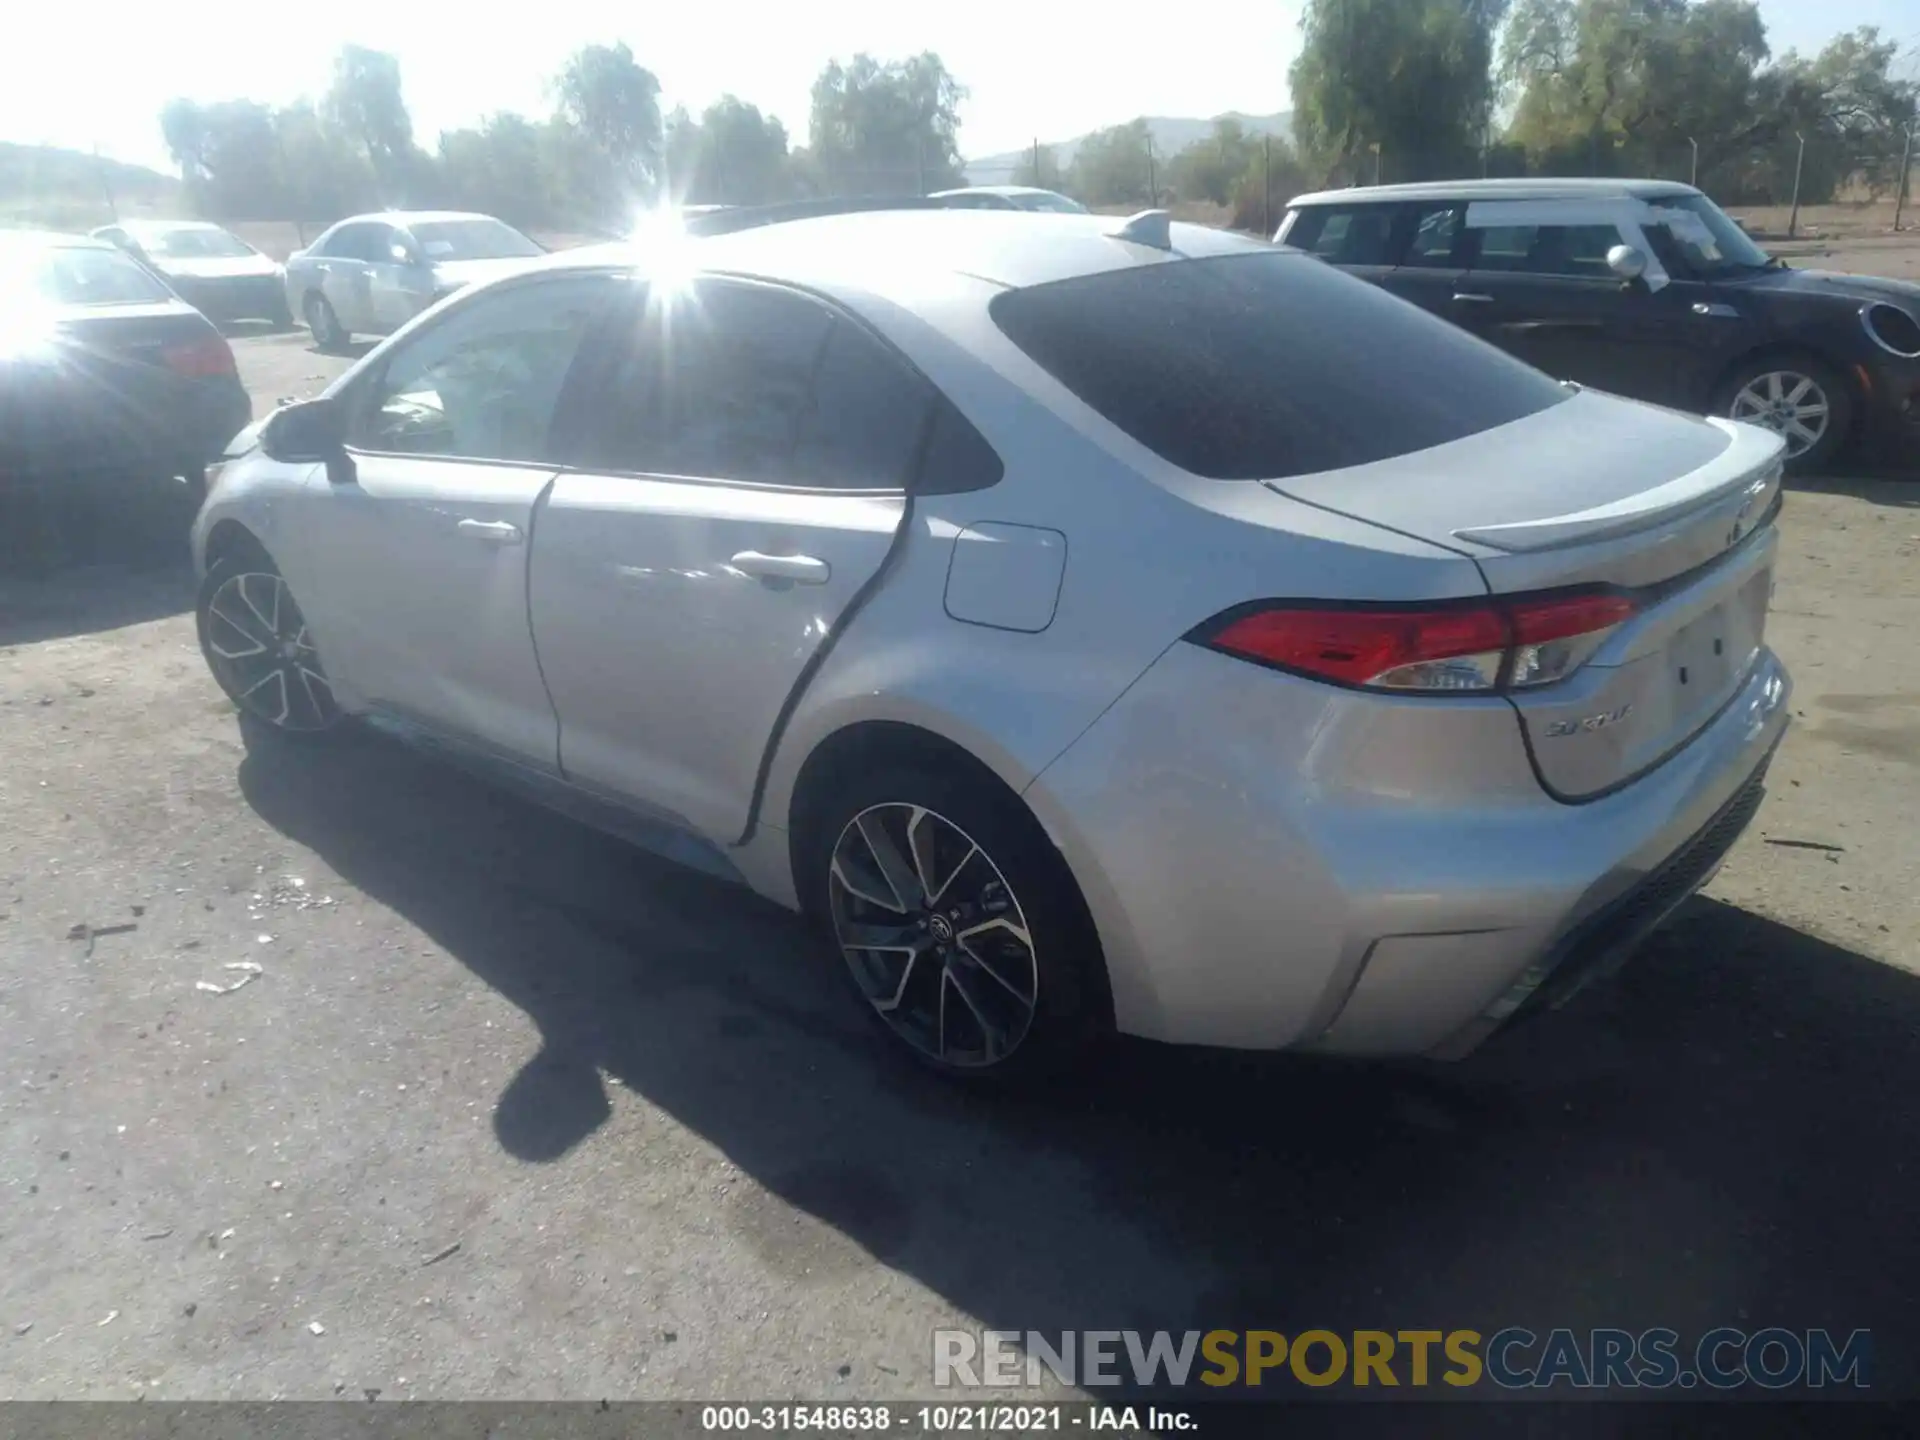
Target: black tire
{"x": 1752, "y": 383}
{"x": 1070, "y": 1005}
{"x": 300, "y": 705}
{"x": 328, "y": 337}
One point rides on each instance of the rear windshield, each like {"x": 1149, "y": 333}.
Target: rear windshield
{"x": 82, "y": 275}
{"x": 472, "y": 240}
{"x": 194, "y": 244}
{"x": 1260, "y": 366}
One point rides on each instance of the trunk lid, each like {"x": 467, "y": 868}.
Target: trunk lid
{"x": 1609, "y": 493}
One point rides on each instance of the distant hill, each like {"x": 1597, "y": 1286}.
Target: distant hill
{"x": 72, "y": 190}
{"x": 1171, "y": 135}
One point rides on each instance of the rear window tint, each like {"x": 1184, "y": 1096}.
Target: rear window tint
{"x": 1261, "y": 366}
{"x": 81, "y": 275}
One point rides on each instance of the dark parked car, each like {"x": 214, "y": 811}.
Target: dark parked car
{"x": 106, "y": 376}
{"x": 213, "y": 270}
{"x": 1644, "y": 288}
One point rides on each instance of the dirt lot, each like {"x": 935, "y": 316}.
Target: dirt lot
{"x": 512, "y": 1112}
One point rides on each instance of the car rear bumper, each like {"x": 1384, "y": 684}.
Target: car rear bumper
{"x": 1248, "y": 893}
{"x": 250, "y": 297}
{"x": 82, "y": 439}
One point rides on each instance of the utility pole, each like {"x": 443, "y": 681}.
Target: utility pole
{"x": 1793, "y": 219}
{"x": 1266, "y": 188}
{"x": 1906, "y": 162}
{"x": 1376, "y": 162}
{"x": 1153, "y": 187}
{"x": 1036, "y": 162}
{"x": 1693, "y": 175}
{"x": 106, "y": 183}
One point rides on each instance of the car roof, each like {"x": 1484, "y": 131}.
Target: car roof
{"x": 404, "y": 218}
{"x": 900, "y": 254}
{"x": 993, "y": 190}
{"x": 160, "y": 227}
{"x": 48, "y": 240}
{"x": 1569, "y": 188}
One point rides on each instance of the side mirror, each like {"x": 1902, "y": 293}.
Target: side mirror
{"x": 309, "y": 432}
{"x": 1627, "y": 261}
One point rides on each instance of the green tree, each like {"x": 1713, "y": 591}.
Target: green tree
{"x": 1211, "y": 169}
{"x": 364, "y": 103}
{"x": 500, "y": 168}
{"x": 613, "y": 103}
{"x": 1112, "y": 167}
{"x": 881, "y": 128}
{"x": 1411, "y": 77}
{"x": 733, "y": 155}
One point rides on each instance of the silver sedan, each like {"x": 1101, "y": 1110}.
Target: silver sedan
{"x": 1094, "y": 625}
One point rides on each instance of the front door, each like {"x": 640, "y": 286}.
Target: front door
{"x": 744, "y": 485}
{"x": 1430, "y": 271}
{"x": 424, "y": 549}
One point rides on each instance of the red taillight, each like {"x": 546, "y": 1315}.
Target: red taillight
{"x": 1488, "y": 645}
{"x": 203, "y": 359}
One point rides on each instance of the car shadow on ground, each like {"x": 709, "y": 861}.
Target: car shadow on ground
{"x": 1723, "y": 1135}
{"x": 87, "y": 569}
{"x": 1894, "y": 487}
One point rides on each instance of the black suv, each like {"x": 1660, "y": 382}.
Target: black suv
{"x": 1644, "y": 288}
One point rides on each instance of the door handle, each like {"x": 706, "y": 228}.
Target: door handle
{"x": 491, "y": 532}
{"x": 799, "y": 569}
{"x": 1469, "y": 297}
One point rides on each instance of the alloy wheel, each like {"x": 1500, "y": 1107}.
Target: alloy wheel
{"x": 933, "y": 934}
{"x": 321, "y": 323}
{"x": 263, "y": 656}
{"x": 1792, "y": 405}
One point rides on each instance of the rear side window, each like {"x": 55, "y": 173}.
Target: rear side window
{"x": 764, "y": 386}
{"x": 1437, "y": 230}
{"x": 1262, "y": 366}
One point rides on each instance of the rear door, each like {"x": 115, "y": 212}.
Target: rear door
{"x": 344, "y": 275}
{"x": 420, "y": 596}
{"x": 1542, "y": 291}
{"x": 1433, "y": 262}
{"x": 743, "y": 485}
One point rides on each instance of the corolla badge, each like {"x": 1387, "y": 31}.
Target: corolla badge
{"x": 1587, "y": 724}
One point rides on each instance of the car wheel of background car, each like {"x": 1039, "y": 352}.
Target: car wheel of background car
{"x": 325, "y": 325}
{"x": 958, "y": 922}
{"x": 1798, "y": 398}
{"x": 256, "y": 643}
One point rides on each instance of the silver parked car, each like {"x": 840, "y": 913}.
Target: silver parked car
{"x": 212, "y": 269}
{"x": 1009, "y": 197}
{"x": 1092, "y": 624}
{"x": 370, "y": 274}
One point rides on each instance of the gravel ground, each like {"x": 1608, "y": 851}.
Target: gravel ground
{"x": 511, "y": 1112}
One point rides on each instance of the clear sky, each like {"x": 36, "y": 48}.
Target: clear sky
{"x": 86, "y": 75}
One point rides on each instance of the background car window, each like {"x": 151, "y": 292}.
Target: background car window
{"x": 1263, "y": 365}
{"x": 484, "y": 383}
{"x": 1360, "y": 236}
{"x": 1573, "y": 250}
{"x": 197, "y": 244}
{"x": 1436, "y": 235}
